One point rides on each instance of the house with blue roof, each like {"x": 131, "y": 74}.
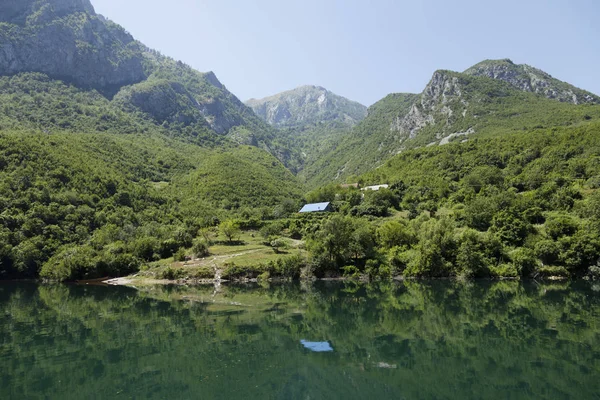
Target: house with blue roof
{"x": 316, "y": 207}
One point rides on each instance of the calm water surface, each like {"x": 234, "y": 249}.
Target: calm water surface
{"x": 414, "y": 340}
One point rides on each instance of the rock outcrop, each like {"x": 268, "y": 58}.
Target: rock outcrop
{"x": 530, "y": 79}
{"x": 436, "y": 102}
{"x": 451, "y": 97}
{"x": 307, "y": 105}
{"x": 22, "y": 11}
{"x": 66, "y": 40}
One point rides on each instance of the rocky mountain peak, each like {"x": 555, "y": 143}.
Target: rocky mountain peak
{"x": 213, "y": 80}
{"x": 18, "y": 11}
{"x": 307, "y": 104}
{"x": 530, "y": 79}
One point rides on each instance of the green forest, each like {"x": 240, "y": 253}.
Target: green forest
{"x": 79, "y": 206}
{"x": 126, "y": 161}
{"x": 88, "y": 205}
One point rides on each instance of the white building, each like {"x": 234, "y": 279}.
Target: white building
{"x": 375, "y": 187}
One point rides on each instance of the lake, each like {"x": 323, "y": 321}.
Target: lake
{"x": 327, "y": 340}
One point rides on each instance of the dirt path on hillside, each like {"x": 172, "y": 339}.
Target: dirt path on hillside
{"x": 212, "y": 261}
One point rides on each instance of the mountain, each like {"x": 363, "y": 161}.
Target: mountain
{"x": 70, "y": 45}
{"x": 113, "y": 155}
{"x": 530, "y": 79}
{"x": 353, "y": 150}
{"x": 492, "y": 97}
{"x": 307, "y": 105}
{"x": 310, "y": 119}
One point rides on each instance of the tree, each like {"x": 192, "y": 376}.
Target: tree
{"x": 436, "y": 252}
{"x": 230, "y": 229}
{"x": 362, "y": 244}
{"x": 510, "y": 228}
{"x": 207, "y": 233}
{"x": 200, "y": 248}
{"x": 395, "y": 233}
{"x": 471, "y": 259}
{"x": 333, "y": 240}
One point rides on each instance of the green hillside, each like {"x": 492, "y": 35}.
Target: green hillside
{"x": 311, "y": 121}
{"x": 358, "y": 149}
{"x": 85, "y": 205}
{"x": 514, "y": 204}
{"x": 239, "y": 177}
{"x": 453, "y": 106}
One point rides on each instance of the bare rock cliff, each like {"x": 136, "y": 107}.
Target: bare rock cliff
{"x": 66, "y": 40}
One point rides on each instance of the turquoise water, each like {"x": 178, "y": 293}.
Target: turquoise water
{"x": 414, "y": 340}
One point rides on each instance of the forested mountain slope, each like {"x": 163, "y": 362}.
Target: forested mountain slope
{"x": 528, "y": 203}
{"x": 311, "y": 120}
{"x": 66, "y": 41}
{"x": 493, "y": 97}
{"x": 111, "y": 154}
{"x": 77, "y": 205}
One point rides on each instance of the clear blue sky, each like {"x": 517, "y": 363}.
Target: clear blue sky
{"x": 363, "y": 49}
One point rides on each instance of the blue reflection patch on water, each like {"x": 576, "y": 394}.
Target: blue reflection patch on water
{"x": 318, "y": 347}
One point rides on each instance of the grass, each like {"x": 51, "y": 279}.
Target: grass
{"x": 247, "y": 251}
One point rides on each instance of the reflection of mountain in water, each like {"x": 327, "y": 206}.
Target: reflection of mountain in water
{"x": 414, "y": 340}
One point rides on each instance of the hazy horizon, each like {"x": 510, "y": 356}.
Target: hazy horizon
{"x": 362, "y": 51}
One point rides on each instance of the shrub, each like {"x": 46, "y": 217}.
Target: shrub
{"x": 547, "y": 271}
{"x": 579, "y": 251}
{"x": 200, "y": 248}
{"x": 506, "y": 270}
{"x": 146, "y": 248}
{"x": 203, "y": 273}
{"x": 179, "y": 255}
{"x": 372, "y": 269}
{"x": 559, "y": 226}
{"x": 351, "y": 271}
{"x": 509, "y": 228}
{"x": 395, "y": 233}
{"x": 71, "y": 263}
{"x": 168, "y": 248}
{"x": 471, "y": 258}
{"x": 295, "y": 230}
{"x": 399, "y": 259}
{"x": 272, "y": 229}
{"x": 171, "y": 274}
{"x": 524, "y": 260}
{"x": 278, "y": 244}
{"x": 290, "y": 267}
{"x": 547, "y": 251}
{"x": 233, "y": 271}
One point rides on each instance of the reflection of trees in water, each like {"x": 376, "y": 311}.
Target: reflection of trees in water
{"x": 439, "y": 339}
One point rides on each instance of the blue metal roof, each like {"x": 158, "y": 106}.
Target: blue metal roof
{"x": 315, "y": 207}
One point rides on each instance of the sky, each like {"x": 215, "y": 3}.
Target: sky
{"x": 363, "y": 49}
